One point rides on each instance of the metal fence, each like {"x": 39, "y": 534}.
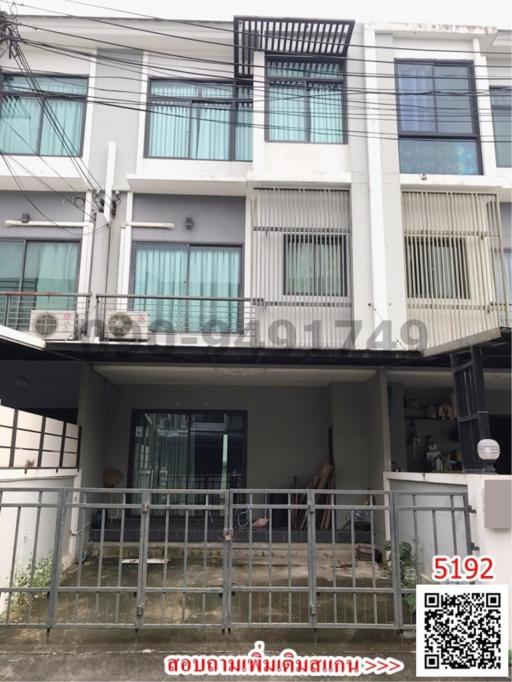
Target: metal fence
{"x": 139, "y": 558}
{"x": 210, "y": 320}
{"x": 49, "y": 315}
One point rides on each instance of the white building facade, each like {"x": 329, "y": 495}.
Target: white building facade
{"x": 271, "y": 232}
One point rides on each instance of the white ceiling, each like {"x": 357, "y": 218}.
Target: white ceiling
{"x": 168, "y": 374}
{"x": 497, "y": 380}
{"x": 254, "y": 376}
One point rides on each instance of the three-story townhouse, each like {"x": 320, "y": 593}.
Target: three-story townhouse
{"x": 258, "y": 252}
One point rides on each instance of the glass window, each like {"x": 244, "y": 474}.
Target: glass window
{"x": 316, "y": 265}
{"x": 501, "y": 104}
{"x": 200, "y": 281}
{"x": 200, "y": 121}
{"x": 39, "y": 267}
{"x": 437, "y": 118}
{"x": 305, "y": 101}
{"x": 43, "y": 115}
{"x": 436, "y": 268}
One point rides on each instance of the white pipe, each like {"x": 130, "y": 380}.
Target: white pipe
{"x": 109, "y": 181}
{"x": 45, "y": 223}
{"x": 168, "y": 226}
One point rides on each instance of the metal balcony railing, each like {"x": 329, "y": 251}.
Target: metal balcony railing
{"x": 210, "y": 320}
{"x": 49, "y": 315}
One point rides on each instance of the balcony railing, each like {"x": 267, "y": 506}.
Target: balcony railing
{"x": 218, "y": 321}
{"x": 52, "y": 316}
{"x": 197, "y": 320}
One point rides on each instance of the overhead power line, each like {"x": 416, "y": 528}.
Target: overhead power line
{"x": 216, "y": 27}
{"x": 159, "y": 53}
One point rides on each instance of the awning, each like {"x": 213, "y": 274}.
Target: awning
{"x": 10, "y": 336}
{"x": 322, "y": 38}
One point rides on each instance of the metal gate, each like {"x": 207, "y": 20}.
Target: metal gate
{"x": 78, "y": 558}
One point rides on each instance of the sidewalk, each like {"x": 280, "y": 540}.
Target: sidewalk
{"x": 114, "y": 655}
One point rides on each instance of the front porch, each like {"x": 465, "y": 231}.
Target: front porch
{"x": 156, "y": 426}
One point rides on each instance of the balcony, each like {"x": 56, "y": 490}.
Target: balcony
{"x": 223, "y": 322}
{"x": 175, "y": 320}
{"x": 49, "y": 315}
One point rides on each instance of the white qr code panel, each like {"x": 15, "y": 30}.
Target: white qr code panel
{"x": 462, "y": 631}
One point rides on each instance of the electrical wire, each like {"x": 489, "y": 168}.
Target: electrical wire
{"x": 159, "y": 53}
{"x": 79, "y": 164}
{"x": 199, "y": 40}
{"x": 214, "y": 26}
{"x": 383, "y": 106}
{"x": 129, "y": 106}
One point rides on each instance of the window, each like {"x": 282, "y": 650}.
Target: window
{"x": 501, "y": 104}
{"x": 316, "y": 265}
{"x": 48, "y": 121}
{"x": 199, "y": 121}
{"x": 437, "y": 118}
{"x": 436, "y": 268}
{"x": 305, "y": 101}
{"x": 39, "y": 267}
{"x": 180, "y": 271}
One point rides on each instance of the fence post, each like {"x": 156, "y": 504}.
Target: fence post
{"x": 227, "y": 561}
{"x": 311, "y": 527}
{"x": 396, "y": 573}
{"x": 60, "y": 527}
{"x": 467, "y": 524}
{"x": 143, "y": 558}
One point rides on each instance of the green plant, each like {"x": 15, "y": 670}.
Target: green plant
{"x": 40, "y": 578}
{"x": 408, "y": 572}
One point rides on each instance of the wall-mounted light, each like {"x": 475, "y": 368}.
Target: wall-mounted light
{"x": 488, "y": 451}
{"x": 189, "y": 223}
{"x": 424, "y": 176}
{"x": 25, "y": 218}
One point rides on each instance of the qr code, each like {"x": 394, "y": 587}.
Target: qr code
{"x": 462, "y": 631}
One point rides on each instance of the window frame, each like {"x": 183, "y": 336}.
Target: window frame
{"x": 188, "y": 246}
{"x": 429, "y": 243}
{"x": 474, "y": 136}
{"x": 27, "y": 240}
{"x": 231, "y": 103}
{"x": 342, "y": 82}
{"x": 44, "y": 97}
{"x": 324, "y": 239}
{"x": 494, "y": 107}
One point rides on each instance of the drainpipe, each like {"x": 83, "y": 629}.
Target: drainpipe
{"x": 379, "y": 301}
{"x": 101, "y": 240}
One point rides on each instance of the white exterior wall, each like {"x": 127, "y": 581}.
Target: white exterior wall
{"x": 494, "y": 543}
{"x": 366, "y": 164}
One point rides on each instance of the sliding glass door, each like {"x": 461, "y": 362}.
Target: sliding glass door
{"x": 188, "y": 449}
{"x": 41, "y": 267}
{"x": 182, "y": 285}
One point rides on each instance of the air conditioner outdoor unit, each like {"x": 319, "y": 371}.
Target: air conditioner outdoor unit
{"x": 53, "y": 325}
{"x": 126, "y": 325}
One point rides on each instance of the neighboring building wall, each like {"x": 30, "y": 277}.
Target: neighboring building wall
{"x": 93, "y": 415}
{"x": 488, "y": 541}
{"x": 23, "y": 532}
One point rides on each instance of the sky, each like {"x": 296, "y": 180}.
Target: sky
{"x": 470, "y": 12}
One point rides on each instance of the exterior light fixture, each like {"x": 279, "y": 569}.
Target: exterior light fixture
{"x": 25, "y": 218}
{"x": 488, "y": 451}
{"x": 189, "y": 223}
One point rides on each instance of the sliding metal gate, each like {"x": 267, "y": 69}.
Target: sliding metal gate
{"x": 221, "y": 558}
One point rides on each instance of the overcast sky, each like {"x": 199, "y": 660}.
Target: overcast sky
{"x": 473, "y": 12}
